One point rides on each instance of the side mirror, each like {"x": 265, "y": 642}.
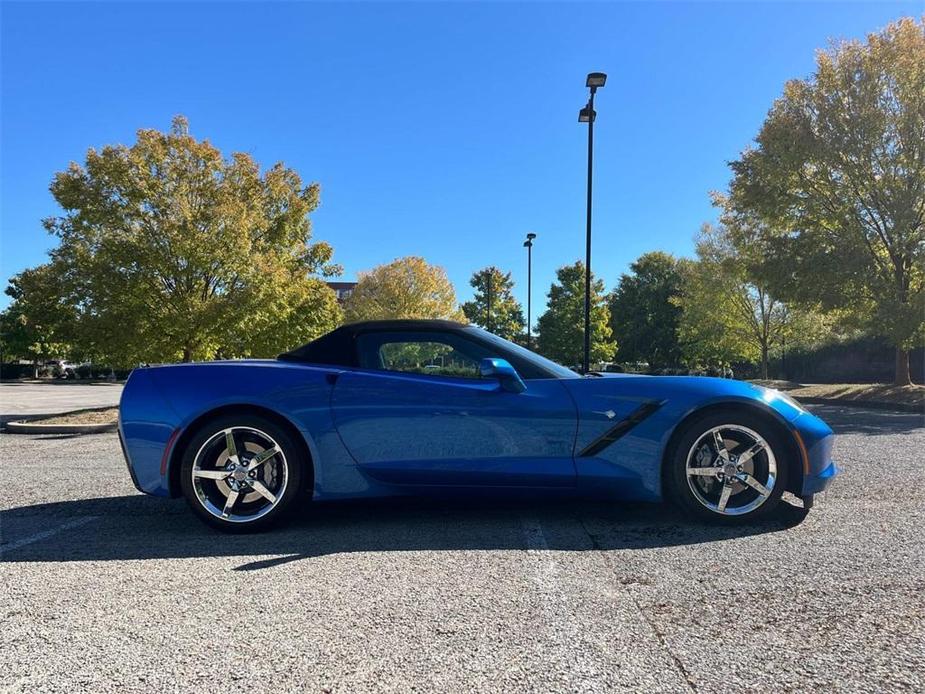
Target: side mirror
{"x": 506, "y": 374}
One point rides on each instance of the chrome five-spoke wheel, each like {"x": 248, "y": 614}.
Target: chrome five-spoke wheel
{"x": 731, "y": 469}
{"x": 242, "y": 472}
{"x": 239, "y": 474}
{"x": 728, "y": 465}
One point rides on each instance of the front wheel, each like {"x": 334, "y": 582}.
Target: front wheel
{"x": 241, "y": 473}
{"x": 728, "y": 466}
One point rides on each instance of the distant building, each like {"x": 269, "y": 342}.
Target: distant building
{"x": 342, "y": 290}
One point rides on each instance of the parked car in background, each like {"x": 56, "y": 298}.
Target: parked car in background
{"x": 61, "y": 368}
{"x": 610, "y": 367}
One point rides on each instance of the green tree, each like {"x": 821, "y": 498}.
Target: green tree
{"x": 838, "y": 176}
{"x": 405, "y": 288}
{"x": 307, "y": 310}
{"x": 493, "y": 289}
{"x": 726, "y": 315}
{"x": 170, "y": 251}
{"x": 643, "y": 317}
{"x": 561, "y": 327}
{"x": 36, "y": 325}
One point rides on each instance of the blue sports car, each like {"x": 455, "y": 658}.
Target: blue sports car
{"x": 391, "y": 408}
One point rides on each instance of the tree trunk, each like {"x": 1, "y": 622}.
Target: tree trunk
{"x": 764, "y": 362}
{"x": 187, "y": 354}
{"x": 902, "y": 377}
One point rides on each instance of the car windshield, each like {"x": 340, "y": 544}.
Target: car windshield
{"x": 558, "y": 370}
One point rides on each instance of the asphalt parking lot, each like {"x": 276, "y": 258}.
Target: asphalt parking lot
{"x": 106, "y": 589}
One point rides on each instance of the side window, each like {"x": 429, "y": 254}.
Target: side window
{"x": 434, "y": 354}
{"x": 434, "y": 358}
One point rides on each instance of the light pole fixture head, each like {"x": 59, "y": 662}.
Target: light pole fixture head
{"x": 531, "y": 236}
{"x": 528, "y": 243}
{"x": 587, "y": 115}
{"x": 595, "y": 80}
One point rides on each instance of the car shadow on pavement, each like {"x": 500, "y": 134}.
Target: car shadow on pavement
{"x": 143, "y": 527}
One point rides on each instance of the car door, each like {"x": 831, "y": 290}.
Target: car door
{"x": 417, "y": 412}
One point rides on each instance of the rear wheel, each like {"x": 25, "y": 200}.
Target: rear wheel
{"x": 241, "y": 472}
{"x": 728, "y": 466}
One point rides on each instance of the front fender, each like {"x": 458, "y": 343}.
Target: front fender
{"x": 631, "y": 466}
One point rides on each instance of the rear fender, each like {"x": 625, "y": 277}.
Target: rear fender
{"x": 174, "y": 454}
{"x": 297, "y": 397}
{"x": 162, "y": 407}
{"x": 147, "y": 426}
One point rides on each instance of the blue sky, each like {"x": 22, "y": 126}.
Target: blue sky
{"x": 447, "y": 130}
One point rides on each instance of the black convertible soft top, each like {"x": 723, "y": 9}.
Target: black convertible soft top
{"x": 337, "y": 347}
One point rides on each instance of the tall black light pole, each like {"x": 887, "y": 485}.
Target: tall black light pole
{"x": 528, "y": 244}
{"x": 587, "y": 115}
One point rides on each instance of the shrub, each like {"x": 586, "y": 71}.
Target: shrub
{"x": 862, "y": 360}
{"x": 14, "y": 370}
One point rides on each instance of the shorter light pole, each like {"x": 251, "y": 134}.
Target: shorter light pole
{"x": 528, "y": 244}
{"x": 488, "y": 292}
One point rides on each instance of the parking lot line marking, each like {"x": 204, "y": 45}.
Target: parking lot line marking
{"x": 45, "y": 534}
{"x": 545, "y": 572}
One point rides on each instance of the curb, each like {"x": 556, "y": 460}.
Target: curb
{"x": 32, "y": 424}
{"x": 22, "y": 427}
{"x": 869, "y": 404}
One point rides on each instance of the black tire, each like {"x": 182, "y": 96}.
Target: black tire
{"x": 287, "y": 467}
{"x": 702, "y": 495}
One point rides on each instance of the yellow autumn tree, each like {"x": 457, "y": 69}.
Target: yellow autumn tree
{"x": 405, "y": 288}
